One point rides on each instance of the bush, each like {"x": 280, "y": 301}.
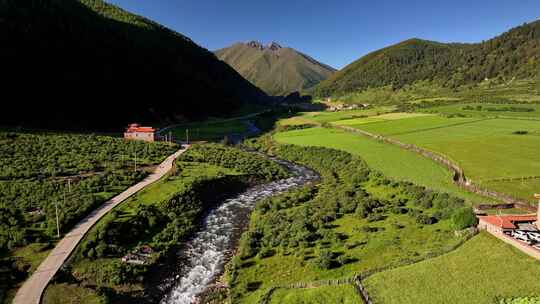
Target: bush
{"x": 425, "y": 220}
{"x": 463, "y": 218}
{"x": 324, "y": 261}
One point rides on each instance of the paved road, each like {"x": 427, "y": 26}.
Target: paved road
{"x": 32, "y": 289}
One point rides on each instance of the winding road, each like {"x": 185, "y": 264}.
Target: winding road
{"x": 33, "y": 288}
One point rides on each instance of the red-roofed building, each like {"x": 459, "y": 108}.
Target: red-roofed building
{"x": 504, "y": 223}
{"x": 135, "y": 131}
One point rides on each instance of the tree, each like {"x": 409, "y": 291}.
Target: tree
{"x": 463, "y": 218}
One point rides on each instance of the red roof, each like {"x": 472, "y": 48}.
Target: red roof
{"x": 137, "y": 128}
{"x": 507, "y": 221}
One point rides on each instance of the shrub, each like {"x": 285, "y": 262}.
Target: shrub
{"x": 425, "y": 220}
{"x": 324, "y": 261}
{"x": 463, "y": 218}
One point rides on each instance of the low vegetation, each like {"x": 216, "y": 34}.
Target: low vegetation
{"x": 77, "y": 173}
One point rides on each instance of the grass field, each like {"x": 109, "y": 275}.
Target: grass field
{"x": 465, "y": 109}
{"x": 58, "y": 293}
{"x": 342, "y": 294}
{"x": 486, "y": 148}
{"x": 322, "y": 117}
{"x": 392, "y": 161}
{"x": 379, "y": 118}
{"x": 477, "y": 272}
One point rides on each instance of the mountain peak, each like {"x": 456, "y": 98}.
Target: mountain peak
{"x": 276, "y": 69}
{"x": 255, "y": 44}
{"x": 274, "y": 46}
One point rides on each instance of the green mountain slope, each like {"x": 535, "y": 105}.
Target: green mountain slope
{"x": 513, "y": 54}
{"x": 275, "y": 69}
{"x": 88, "y": 64}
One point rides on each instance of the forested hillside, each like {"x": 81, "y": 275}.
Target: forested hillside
{"x": 87, "y": 64}
{"x": 275, "y": 69}
{"x": 513, "y": 54}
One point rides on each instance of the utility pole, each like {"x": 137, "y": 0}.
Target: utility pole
{"x": 135, "y": 161}
{"x": 57, "y": 221}
{"x": 187, "y": 136}
{"x": 170, "y": 137}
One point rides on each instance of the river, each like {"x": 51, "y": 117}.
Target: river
{"x": 204, "y": 256}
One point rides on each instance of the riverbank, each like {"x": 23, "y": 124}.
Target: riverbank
{"x": 160, "y": 217}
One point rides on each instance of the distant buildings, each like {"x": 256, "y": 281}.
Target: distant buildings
{"x": 345, "y": 107}
{"x": 136, "y": 132}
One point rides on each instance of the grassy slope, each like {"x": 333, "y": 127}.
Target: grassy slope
{"x": 392, "y": 161}
{"x": 344, "y": 294}
{"x": 512, "y": 54}
{"x": 478, "y": 271}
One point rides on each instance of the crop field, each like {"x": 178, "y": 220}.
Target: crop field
{"x": 487, "y": 149}
{"x": 392, "y": 161}
{"x": 477, "y": 272}
{"x": 343, "y": 294}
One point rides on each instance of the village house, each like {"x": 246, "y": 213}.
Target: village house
{"x": 507, "y": 223}
{"x": 136, "y": 132}
{"x": 139, "y": 256}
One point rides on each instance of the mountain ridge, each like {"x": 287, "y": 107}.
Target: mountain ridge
{"x": 276, "y": 69}
{"x": 515, "y": 53}
{"x": 117, "y": 66}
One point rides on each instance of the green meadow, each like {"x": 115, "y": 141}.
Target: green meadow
{"x": 477, "y": 272}
{"x": 392, "y": 161}
{"x": 488, "y": 149}
{"x": 486, "y": 110}
{"x": 323, "y": 117}
{"x": 342, "y": 294}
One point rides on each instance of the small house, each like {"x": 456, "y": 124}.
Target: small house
{"x": 506, "y": 223}
{"x": 136, "y": 132}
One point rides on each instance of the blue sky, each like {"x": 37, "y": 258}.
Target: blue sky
{"x": 336, "y": 32}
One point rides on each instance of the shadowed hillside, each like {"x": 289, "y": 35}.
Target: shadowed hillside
{"x": 87, "y": 64}
{"x": 275, "y": 69}
{"x": 512, "y": 54}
